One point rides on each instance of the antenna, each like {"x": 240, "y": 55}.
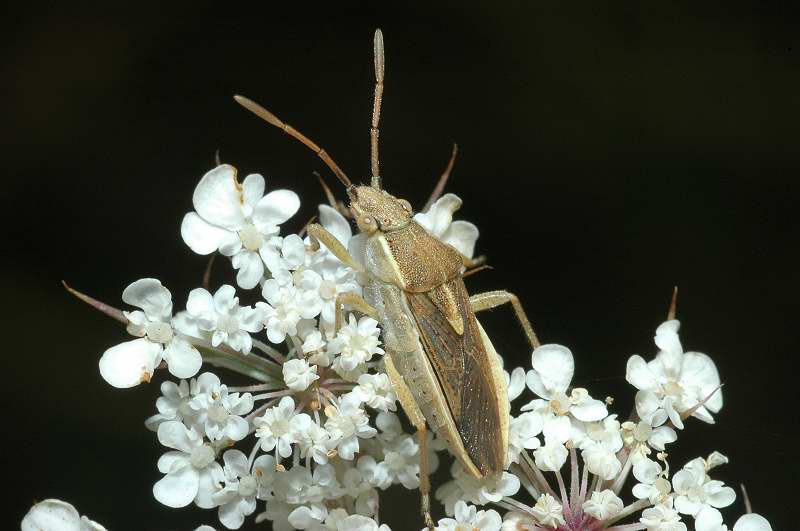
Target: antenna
{"x": 271, "y": 119}
{"x": 376, "y": 108}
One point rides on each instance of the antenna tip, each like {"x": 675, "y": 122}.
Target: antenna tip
{"x": 258, "y": 110}
{"x": 379, "y": 56}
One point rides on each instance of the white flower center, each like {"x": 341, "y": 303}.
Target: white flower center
{"x": 395, "y": 461}
{"x": 279, "y": 428}
{"x": 673, "y": 388}
{"x": 696, "y": 493}
{"x": 663, "y": 486}
{"x": 159, "y": 332}
{"x": 185, "y": 408}
{"x": 247, "y": 486}
{"x": 228, "y": 324}
{"x": 217, "y": 413}
{"x": 642, "y": 431}
{"x": 251, "y": 237}
{"x": 327, "y": 289}
{"x": 202, "y": 457}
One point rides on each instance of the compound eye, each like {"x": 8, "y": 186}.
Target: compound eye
{"x": 367, "y": 224}
{"x": 406, "y": 205}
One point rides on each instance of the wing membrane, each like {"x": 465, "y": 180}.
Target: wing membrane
{"x": 463, "y": 369}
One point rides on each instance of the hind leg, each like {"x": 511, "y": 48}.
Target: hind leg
{"x": 411, "y": 409}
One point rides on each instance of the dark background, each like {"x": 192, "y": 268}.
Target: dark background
{"x": 606, "y": 153}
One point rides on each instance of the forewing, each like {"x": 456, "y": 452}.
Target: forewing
{"x": 463, "y": 370}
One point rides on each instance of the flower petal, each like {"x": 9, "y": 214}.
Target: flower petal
{"x": 440, "y": 215}
{"x": 253, "y": 189}
{"x": 131, "y": 363}
{"x": 183, "y": 360}
{"x": 149, "y": 295}
{"x": 251, "y": 269}
{"x": 173, "y": 434}
{"x": 335, "y": 223}
{"x": 462, "y": 235}
{"x": 178, "y": 488}
{"x": 516, "y": 383}
{"x": 638, "y": 374}
{"x": 200, "y": 305}
{"x": 276, "y": 207}
{"x": 752, "y": 522}
{"x": 589, "y": 410}
{"x": 218, "y": 198}
{"x": 555, "y": 367}
{"x": 52, "y": 515}
{"x": 201, "y": 236}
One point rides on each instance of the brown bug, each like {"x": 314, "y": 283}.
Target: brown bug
{"x": 442, "y": 364}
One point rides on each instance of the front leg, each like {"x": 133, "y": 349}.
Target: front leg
{"x": 318, "y": 234}
{"x": 493, "y": 299}
{"x": 354, "y": 300}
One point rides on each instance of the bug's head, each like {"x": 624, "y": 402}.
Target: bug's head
{"x": 376, "y": 209}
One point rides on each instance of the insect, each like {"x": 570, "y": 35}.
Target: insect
{"x": 442, "y": 364}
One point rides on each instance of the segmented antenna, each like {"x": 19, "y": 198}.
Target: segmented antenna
{"x": 376, "y": 109}
{"x": 271, "y": 119}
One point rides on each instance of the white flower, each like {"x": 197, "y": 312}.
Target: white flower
{"x": 662, "y": 517}
{"x": 57, "y": 515}
{"x": 238, "y": 220}
{"x": 222, "y": 316}
{"x": 603, "y": 505}
{"x": 192, "y": 473}
{"x": 273, "y": 427}
{"x": 339, "y": 520}
{"x": 285, "y": 307}
{"x": 514, "y": 521}
{"x": 550, "y": 457}
{"x": 219, "y": 412}
{"x": 173, "y": 404}
{"x": 376, "y": 391}
{"x": 651, "y": 428}
{"x": 553, "y": 367}
{"x": 346, "y": 423}
{"x": 494, "y": 489}
{"x": 289, "y": 255}
{"x": 327, "y": 284}
{"x": 438, "y": 220}
{"x": 752, "y": 522}
{"x": 548, "y": 511}
{"x": 468, "y": 518}
{"x": 355, "y": 343}
{"x": 522, "y": 434}
{"x": 700, "y": 496}
{"x": 298, "y": 374}
{"x": 312, "y": 438}
{"x": 515, "y": 382}
{"x": 237, "y": 498}
{"x": 401, "y": 458}
{"x": 680, "y": 381}
{"x": 134, "y": 362}
{"x": 652, "y": 484}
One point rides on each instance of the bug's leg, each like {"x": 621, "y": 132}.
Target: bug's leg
{"x": 413, "y": 413}
{"x": 319, "y": 234}
{"x": 473, "y": 263}
{"x": 440, "y": 184}
{"x": 493, "y": 299}
{"x": 355, "y": 301}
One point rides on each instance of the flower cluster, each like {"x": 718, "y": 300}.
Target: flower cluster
{"x": 565, "y": 424}
{"x": 314, "y": 437}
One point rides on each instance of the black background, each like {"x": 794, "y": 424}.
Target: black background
{"x": 607, "y": 153}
